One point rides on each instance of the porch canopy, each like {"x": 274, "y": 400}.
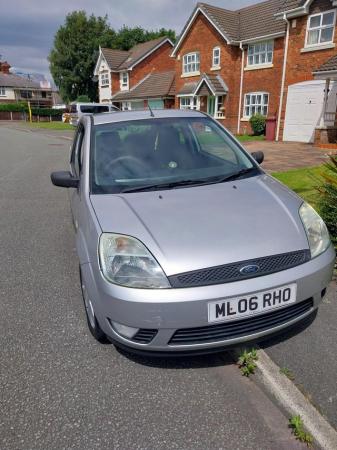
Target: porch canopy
{"x": 206, "y": 85}
{"x": 328, "y": 72}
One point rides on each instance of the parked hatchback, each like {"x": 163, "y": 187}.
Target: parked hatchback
{"x": 184, "y": 242}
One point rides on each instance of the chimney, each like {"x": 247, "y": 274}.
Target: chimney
{"x": 4, "y": 67}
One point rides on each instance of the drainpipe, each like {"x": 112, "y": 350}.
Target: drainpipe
{"x": 283, "y": 78}
{"x": 241, "y": 85}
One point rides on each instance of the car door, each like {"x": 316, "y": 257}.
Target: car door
{"x": 76, "y": 169}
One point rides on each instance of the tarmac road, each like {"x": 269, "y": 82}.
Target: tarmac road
{"x": 59, "y": 389}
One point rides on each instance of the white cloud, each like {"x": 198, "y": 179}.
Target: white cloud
{"x": 27, "y": 28}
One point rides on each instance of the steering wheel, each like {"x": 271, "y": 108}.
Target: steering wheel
{"x": 119, "y": 160}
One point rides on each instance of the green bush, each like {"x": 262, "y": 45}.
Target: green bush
{"x": 23, "y": 107}
{"x": 14, "y": 107}
{"x": 47, "y": 112}
{"x": 83, "y": 99}
{"x": 328, "y": 203}
{"x": 258, "y": 124}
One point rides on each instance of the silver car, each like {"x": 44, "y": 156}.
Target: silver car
{"x": 184, "y": 242}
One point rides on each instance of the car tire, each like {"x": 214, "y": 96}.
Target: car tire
{"x": 93, "y": 324}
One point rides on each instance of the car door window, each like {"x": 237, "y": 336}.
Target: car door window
{"x": 77, "y": 154}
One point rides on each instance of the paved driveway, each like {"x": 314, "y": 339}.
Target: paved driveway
{"x": 62, "y": 390}
{"x": 282, "y": 156}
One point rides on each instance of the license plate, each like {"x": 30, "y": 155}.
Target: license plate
{"x": 252, "y": 304}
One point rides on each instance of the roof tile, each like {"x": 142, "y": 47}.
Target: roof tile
{"x": 11, "y": 80}
{"x": 154, "y": 85}
{"x": 329, "y": 65}
{"x": 120, "y": 59}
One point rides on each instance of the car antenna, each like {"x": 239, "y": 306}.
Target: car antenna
{"x": 151, "y": 112}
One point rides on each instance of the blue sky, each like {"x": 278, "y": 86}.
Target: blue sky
{"x": 27, "y": 27}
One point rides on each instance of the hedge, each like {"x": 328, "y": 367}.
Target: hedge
{"x": 14, "y": 107}
{"x": 23, "y": 107}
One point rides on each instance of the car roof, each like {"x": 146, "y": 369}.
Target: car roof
{"x": 123, "y": 116}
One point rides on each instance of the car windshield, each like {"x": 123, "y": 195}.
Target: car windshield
{"x": 164, "y": 153}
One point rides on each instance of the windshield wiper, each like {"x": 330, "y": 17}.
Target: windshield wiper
{"x": 159, "y": 186}
{"x": 200, "y": 182}
{"x": 236, "y": 175}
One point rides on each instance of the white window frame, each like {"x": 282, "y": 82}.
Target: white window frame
{"x": 187, "y": 61}
{"x": 105, "y": 79}
{"x": 320, "y": 28}
{"x": 2, "y": 91}
{"x": 249, "y": 104}
{"x": 218, "y": 113}
{"x": 126, "y": 106}
{"x": 216, "y": 57}
{"x": 258, "y": 53}
{"x": 124, "y": 81}
{"x": 186, "y": 100}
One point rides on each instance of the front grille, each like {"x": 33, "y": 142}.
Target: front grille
{"x": 144, "y": 336}
{"x": 231, "y": 272}
{"x": 240, "y": 328}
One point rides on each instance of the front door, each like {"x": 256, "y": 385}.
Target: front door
{"x": 211, "y": 105}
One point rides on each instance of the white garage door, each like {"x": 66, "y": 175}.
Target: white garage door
{"x": 304, "y": 109}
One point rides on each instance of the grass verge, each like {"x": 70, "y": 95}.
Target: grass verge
{"x": 249, "y": 138}
{"x": 50, "y": 125}
{"x": 304, "y": 182}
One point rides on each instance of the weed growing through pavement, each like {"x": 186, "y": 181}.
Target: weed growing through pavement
{"x": 288, "y": 373}
{"x": 246, "y": 362}
{"x": 296, "y": 425}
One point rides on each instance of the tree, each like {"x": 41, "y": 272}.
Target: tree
{"x": 83, "y": 99}
{"x": 127, "y": 38}
{"x": 74, "y": 55}
{"x": 75, "y": 52}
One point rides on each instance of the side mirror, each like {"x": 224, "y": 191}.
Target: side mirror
{"x": 64, "y": 179}
{"x": 258, "y": 156}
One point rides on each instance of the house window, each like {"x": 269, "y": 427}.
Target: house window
{"x": 320, "y": 28}
{"x": 189, "y": 103}
{"x": 191, "y": 63}
{"x": 260, "y": 53}
{"x": 105, "y": 79}
{"x": 2, "y": 92}
{"x": 219, "y": 110}
{"x": 256, "y": 103}
{"x": 124, "y": 81}
{"x": 216, "y": 57}
{"x": 126, "y": 106}
{"x": 26, "y": 94}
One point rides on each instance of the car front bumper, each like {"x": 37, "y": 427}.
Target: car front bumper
{"x": 168, "y": 310}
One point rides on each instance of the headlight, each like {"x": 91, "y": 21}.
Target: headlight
{"x": 126, "y": 261}
{"x": 317, "y": 233}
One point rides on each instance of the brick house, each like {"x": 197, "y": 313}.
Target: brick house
{"x": 268, "y": 58}
{"x": 14, "y": 88}
{"x": 138, "y": 77}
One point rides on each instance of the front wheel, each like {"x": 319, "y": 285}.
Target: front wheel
{"x": 93, "y": 324}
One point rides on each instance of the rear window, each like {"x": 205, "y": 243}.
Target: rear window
{"x": 94, "y": 109}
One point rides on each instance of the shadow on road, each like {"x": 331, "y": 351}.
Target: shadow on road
{"x": 180, "y": 361}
